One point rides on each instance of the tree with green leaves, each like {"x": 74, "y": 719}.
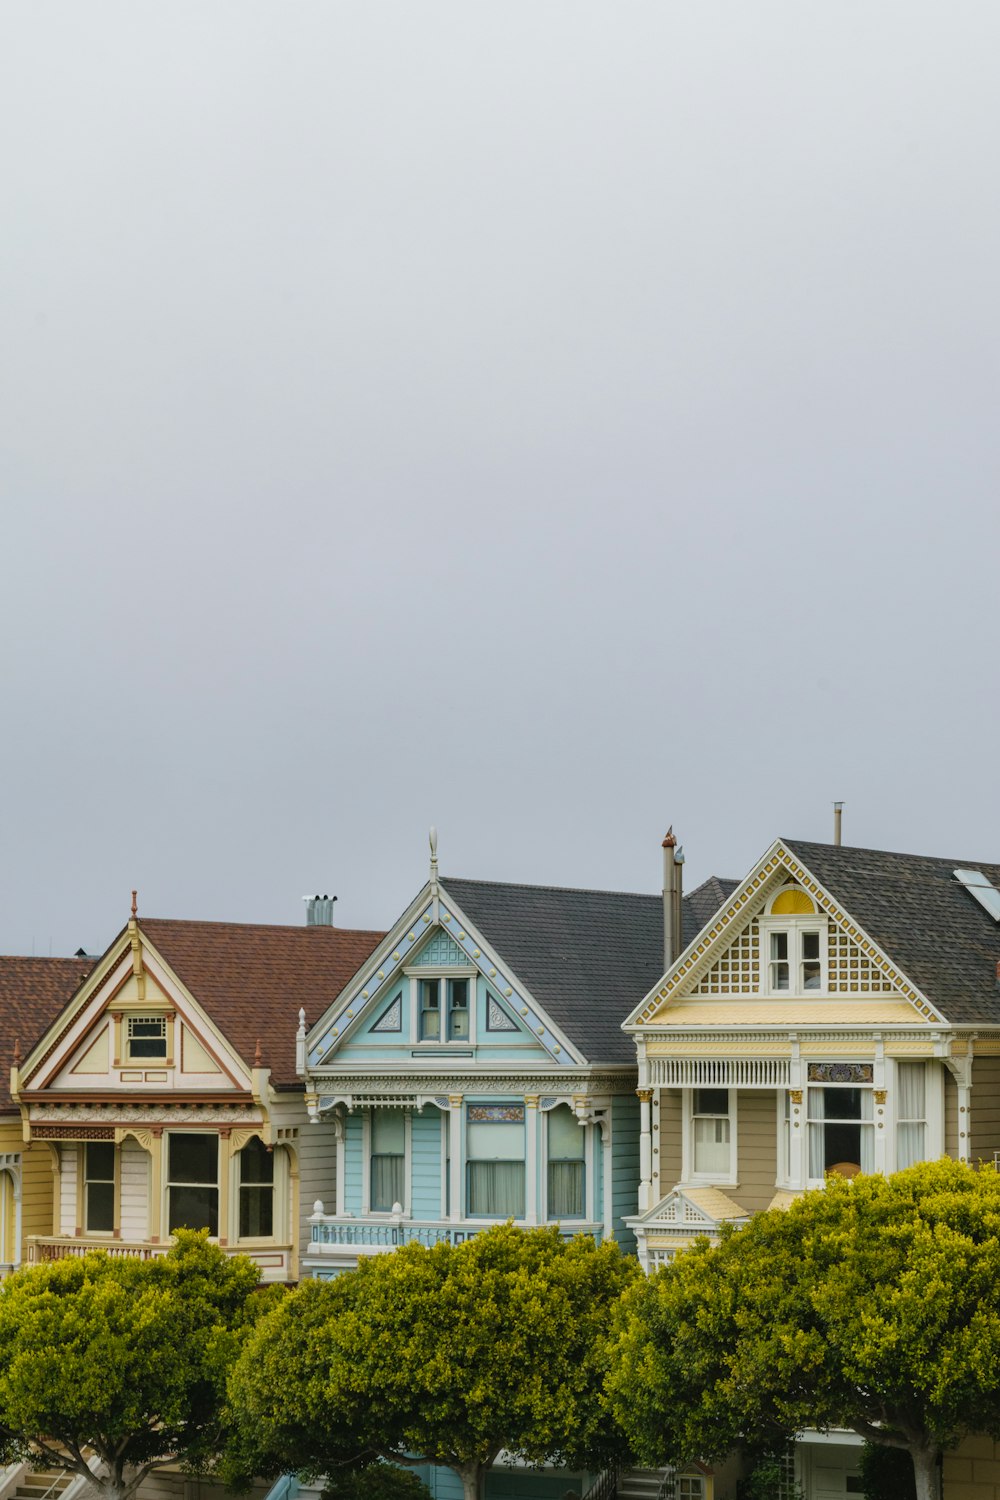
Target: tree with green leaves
{"x": 449, "y": 1355}
{"x": 871, "y": 1304}
{"x": 124, "y": 1358}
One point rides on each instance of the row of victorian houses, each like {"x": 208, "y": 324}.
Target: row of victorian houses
{"x": 637, "y": 1067}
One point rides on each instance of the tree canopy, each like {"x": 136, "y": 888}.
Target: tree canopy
{"x": 872, "y": 1304}
{"x": 448, "y": 1355}
{"x": 126, "y": 1358}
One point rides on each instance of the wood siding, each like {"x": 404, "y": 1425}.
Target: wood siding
{"x": 667, "y": 1141}
{"x": 950, "y": 1116}
{"x": 38, "y": 1188}
{"x": 624, "y": 1166}
{"x": 757, "y": 1148}
{"x": 68, "y": 1163}
{"x": 134, "y": 1175}
{"x": 425, "y": 1164}
{"x": 985, "y": 1108}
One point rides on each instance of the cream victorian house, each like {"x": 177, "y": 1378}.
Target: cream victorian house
{"x": 165, "y": 1094}
{"x": 840, "y": 1013}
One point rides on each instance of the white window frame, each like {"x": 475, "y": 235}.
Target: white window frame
{"x": 728, "y": 1179}
{"x": 809, "y": 1122}
{"x": 456, "y": 971}
{"x": 146, "y": 1060}
{"x": 366, "y": 1181}
{"x": 587, "y": 1159}
{"x": 795, "y": 927}
{"x": 168, "y": 1181}
{"x": 278, "y": 1156}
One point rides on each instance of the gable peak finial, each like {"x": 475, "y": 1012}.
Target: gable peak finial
{"x": 670, "y": 841}
{"x": 257, "y": 1059}
{"x": 433, "y": 841}
{"x": 17, "y": 1052}
{"x": 135, "y": 905}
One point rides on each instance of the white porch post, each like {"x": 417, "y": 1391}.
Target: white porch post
{"x": 531, "y": 1158}
{"x": 645, "y": 1149}
{"x": 455, "y": 1103}
{"x": 883, "y": 1137}
{"x": 796, "y": 1119}
{"x": 340, "y": 1170}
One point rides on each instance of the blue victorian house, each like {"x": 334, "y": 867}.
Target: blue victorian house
{"x": 474, "y": 1069}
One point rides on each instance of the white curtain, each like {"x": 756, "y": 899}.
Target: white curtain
{"x": 496, "y": 1189}
{"x": 911, "y": 1113}
{"x": 711, "y": 1147}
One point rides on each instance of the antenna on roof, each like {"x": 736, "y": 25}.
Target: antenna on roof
{"x": 838, "y": 809}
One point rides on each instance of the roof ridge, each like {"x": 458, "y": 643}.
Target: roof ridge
{"x": 265, "y": 926}
{"x": 582, "y": 890}
{"x": 942, "y": 859}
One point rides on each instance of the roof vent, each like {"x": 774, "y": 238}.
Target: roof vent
{"x": 319, "y": 910}
{"x": 977, "y": 885}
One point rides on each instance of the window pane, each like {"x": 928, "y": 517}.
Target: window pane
{"x": 711, "y": 1101}
{"x": 430, "y": 993}
{"x": 147, "y": 1036}
{"x": 495, "y": 1141}
{"x": 256, "y": 1212}
{"x": 100, "y": 1164}
{"x": 779, "y": 945}
{"x": 810, "y": 945}
{"x": 256, "y": 1163}
{"x": 496, "y": 1189}
{"x": 194, "y": 1158}
{"x": 842, "y": 1104}
{"x": 430, "y": 1025}
{"x": 458, "y": 1008}
{"x": 101, "y": 1206}
{"x": 387, "y": 1183}
{"x": 566, "y": 1137}
{"x": 566, "y": 1189}
{"x": 388, "y": 1132}
{"x": 711, "y": 1146}
{"x": 779, "y": 976}
{"x": 811, "y": 976}
{"x": 194, "y": 1208}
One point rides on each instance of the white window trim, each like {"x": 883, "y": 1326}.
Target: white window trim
{"x": 366, "y": 1157}
{"x": 588, "y": 1168}
{"x": 689, "y": 1175}
{"x": 167, "y": 1181}
{"x": 279, "y": 1188}
{"x": 454, "y": 971}
{"x": 145, "y": 1060}
{"x": 794, "y": 926}
{"x": 808, "y": 1123}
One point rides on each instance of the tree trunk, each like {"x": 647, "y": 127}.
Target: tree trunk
{"x": 473, "y": 1477}
{"x": 926, "y": 1473}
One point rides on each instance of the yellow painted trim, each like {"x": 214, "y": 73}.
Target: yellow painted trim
{"x": 158, "y": 1146}
{"x": 225, "y": 1181}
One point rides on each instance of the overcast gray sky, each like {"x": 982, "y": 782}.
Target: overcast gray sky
{"x": 545, "y": 420}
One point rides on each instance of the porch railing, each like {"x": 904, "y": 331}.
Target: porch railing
{"x": 333, "y": 1232}
{"x": 68, "y": 1247}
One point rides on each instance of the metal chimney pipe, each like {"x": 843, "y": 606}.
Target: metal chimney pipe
{"x": 678, "y": 922}
{"x": 669, "y": 882}
{"x": 838, "y": 808}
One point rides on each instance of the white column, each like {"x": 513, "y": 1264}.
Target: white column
{"x": 531, "y": 1158}
{"x": 645, "y": 1149}
{"x": 455, "y": 1104}
{"x": 340, "y": 1185}
{"x": 797, "y": 1126}
{"x": 884, "y": 1159}
{"x": 609, "y": 1218}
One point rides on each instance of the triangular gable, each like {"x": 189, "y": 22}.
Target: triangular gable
{"x": 724, "y": 958}
{"x": 433, "y": 932}
{"x": 692, "y": 1210}
{"x": 84, "y": 1048}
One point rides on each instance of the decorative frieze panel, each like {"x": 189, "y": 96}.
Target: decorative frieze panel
{"x": 497, "y": 1018}
{"x": 841, "y": 1072}
{"x": 392, "y": 1020}
{"x": 719, "y": 1072}
{"x": 737, "y": 971}
{"x": 440, "y": 951}
{"x": 142, "y": 1114}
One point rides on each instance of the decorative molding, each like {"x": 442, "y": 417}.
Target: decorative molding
{"x": 392, "y": 1017}
{"x": 497, "y": 1018}
{"x": 359, "y": 1090}
{"x": 74, "y": 1133}
{"x": 52, "y": 1117}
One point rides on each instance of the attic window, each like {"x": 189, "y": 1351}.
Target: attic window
{"x": 147, "y": 1037}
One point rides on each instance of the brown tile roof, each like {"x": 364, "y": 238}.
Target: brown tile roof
{"x": 252, "y": 980}
{"x": 32, "y": 993}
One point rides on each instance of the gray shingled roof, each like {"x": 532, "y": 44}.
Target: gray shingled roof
{"x": 923, "y": 918}
{"x": 588, "y": 957}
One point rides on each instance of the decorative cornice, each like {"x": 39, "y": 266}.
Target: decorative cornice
{"x": 49, "y": 1118}
{"x": 411, "y": 1085}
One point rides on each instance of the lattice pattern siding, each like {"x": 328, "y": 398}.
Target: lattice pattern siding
{"x": 850, "y": 971}
{"x": 737, "y": 972}
{"x": 440, "y": 950}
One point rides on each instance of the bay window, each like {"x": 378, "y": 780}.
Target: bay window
{"x": 192, "y": 1181}
{"x": 841, "y": 1129}
{"x": 566, "y": 1166}
{"x": 495, "y": 1161}
{"x": 911, "y": 1113}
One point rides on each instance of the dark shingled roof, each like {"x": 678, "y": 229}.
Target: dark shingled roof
{"x": 252, "y": 980}
{"x": 588, "y": 957}
{"x": 923, "y": 918}
{"x": 33, "y": 991}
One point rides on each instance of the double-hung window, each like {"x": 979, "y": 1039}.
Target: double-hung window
{"x": 193, "y": 1181}
{"x": 99, "y": 1187}
{"x": 444, "y": 1010}
{"x": 256, "y": 1168}
{"x": 494, "y": 1141}
{"x": 566, "y": 1166}
{"x": 793, "y": 935}
{"x": 146, "y": 1037}
{"x": 711, "y": 1134}
{"x": 388, "y": 1160}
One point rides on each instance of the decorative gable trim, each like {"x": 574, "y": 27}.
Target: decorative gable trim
{"x": 466, "y": 947}
{"x": 692, "y": 1211}
{"x": 743, "y": 908}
